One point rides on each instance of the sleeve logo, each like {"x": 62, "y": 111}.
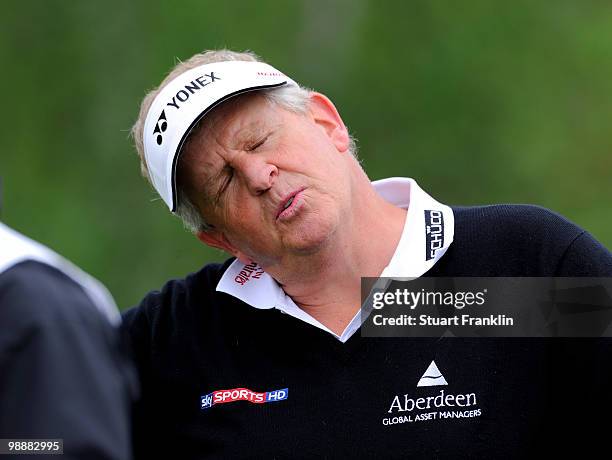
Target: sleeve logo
{"x": 434, "y": 233}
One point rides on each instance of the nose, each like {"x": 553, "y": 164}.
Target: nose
{"x": 258, "y": 174}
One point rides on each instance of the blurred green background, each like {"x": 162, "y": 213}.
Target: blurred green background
{"x": 480, "y": 101}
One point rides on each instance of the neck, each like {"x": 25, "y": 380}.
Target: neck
{"x": 327, "y": 284}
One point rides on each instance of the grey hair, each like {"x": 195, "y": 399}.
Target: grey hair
{"x": 292, "y": 98}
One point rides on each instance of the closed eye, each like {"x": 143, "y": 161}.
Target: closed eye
{"x": 252, "y": 147}
{"x": 228, "y": 173}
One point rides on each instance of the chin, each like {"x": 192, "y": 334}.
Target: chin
{"x": 310, "y": 239}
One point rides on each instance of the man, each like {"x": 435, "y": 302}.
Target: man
{"x": 63, "y": 372}
{"x": 261, "y": 356}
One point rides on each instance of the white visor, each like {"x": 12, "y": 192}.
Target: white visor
{"x": 183, "y": 102}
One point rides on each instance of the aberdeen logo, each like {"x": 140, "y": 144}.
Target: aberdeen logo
{"x": 433, "y": 406}
{"x": 242, "y": 394}
{"x": 434, "y": 233}
{"x": 432, "y": 377}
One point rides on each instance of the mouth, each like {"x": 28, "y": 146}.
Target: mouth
{"x": 288, "y": 204}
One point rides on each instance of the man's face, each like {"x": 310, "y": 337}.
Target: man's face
{"x": 275, "y": 184}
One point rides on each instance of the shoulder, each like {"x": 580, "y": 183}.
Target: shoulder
{"x": 178, "y": 299}
{"x": 512, "y": 228}
{"x": 44, "y": 312}
{"x": 36, "y": 294}
{"x": 44, "y": 270}
{"x": 511, "y": 240}
{"x": 514, "y": 220}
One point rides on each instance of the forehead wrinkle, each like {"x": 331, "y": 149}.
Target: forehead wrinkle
{"x": 236, "y": 130}
{"x": 238, "y": 120}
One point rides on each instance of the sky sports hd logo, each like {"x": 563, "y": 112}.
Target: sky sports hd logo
{"x": 242, "y": 394}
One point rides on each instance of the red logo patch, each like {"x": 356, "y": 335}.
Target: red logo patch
{"x": 250, "y": 271}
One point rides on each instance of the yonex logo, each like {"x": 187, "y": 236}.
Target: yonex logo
{"x": 432, "y": 377}
{"x": 181, "y": 96}
{"x": 242, "y": 394}
{"x": 434, "y": 233}
{"x": 160, "y": 127}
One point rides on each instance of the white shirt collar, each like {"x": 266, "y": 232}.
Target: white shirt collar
{"x": 427, "y": 234}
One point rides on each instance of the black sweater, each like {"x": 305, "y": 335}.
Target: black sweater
{"x": 63, "y": 369}
{"x": 505, "y": 398}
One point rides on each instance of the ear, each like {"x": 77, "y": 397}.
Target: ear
{"x": 325, "y": 115}
{"x": 216, "y": 239}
